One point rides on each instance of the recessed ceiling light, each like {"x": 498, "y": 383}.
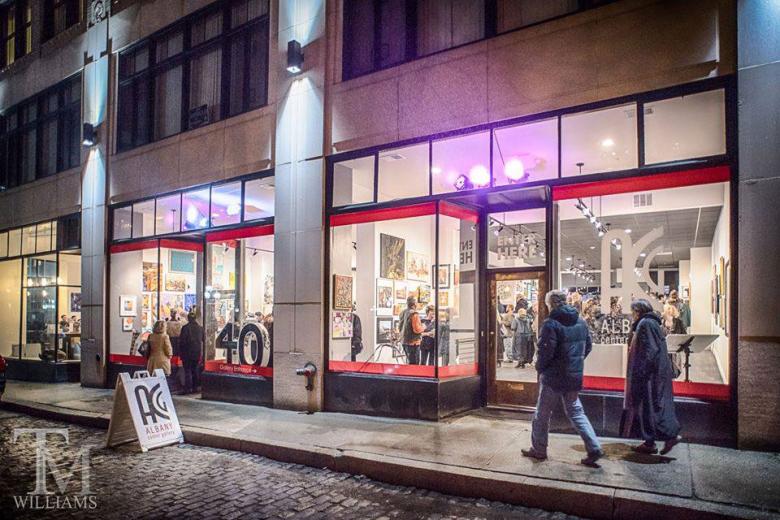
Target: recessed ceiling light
{"x": 608, "y": 142}
{"x": 628, "y": 231}
{"x": 593, "y": 247}
{"x": 643, "y": 255}
{"x": 568, "y": 259}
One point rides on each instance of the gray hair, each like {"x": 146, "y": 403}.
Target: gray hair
{"x": 641, "y": 306}
{"x": 555, "y": 299}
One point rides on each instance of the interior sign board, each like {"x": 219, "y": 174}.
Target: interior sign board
{"x": 143, "y": 410}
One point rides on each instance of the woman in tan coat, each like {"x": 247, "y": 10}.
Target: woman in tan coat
{"x": 160, "y": 350}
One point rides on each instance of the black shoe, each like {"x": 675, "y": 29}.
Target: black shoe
{"x": 647, "y": 449}
{"x": 671, "y": 443}
{"x": 533, "y": 454}
{"x": 591, "y": 459}
{"x": 520, "y": 365}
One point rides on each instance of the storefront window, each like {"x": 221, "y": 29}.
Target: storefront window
{"x": 226, "y": 204}
{"x": 39, "y": 308}
{"x": 526, "y": 152}
{"x": 10, "y": 314}
{"x": 239, "y": 298}
{"x": 259, "y": 198}
{"x": 168, "y": 219}
{"x": 123, "y": 222}
{"x": 28, "y": 240}
{"x": 517, "y": 239}
{"x": 3, "y": 245}
{"x": 45, "y": 239}
{"x": 599, "y": 141}
{"x": 685, "y": 127}
{"x": 69, "y": 306}
{"x": 669, "y": 246}
{"x": 15, "y": 242}
{"x": 150, "y": 280}
{"x": 195, "y": 209}
{"x": 143, "y": 219}
{"x": 403, "y": 173}
{"x": 353, "y": 181}
{"x": 376, "y": 265}
{"x": 461, "y": 163}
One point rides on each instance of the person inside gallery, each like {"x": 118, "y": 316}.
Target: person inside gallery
{"x": 411, "y": 329}
{"x": 428, "y": 341}
{"x": 357, "y": 334}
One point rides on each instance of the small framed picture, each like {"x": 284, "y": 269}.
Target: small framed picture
{"x": 384, "y": 296}
{"x": 127, "y": 305}
{"x": 127, "y": 324}
{"x": 443, "y": 274}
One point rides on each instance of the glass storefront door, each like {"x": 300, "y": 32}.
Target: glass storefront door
{"x": 515, "y": 311}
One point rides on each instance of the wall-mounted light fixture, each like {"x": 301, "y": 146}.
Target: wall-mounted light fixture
{"x": 89, "y": 135}
{"x": 294, "y": 57}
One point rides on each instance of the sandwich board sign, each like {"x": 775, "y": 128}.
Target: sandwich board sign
{"x": 143, "y": 409}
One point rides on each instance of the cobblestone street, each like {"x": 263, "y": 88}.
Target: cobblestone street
{"x": 194, "y": 482}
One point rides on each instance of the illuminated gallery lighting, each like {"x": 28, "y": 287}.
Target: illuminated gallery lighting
{"x": 628, "y": 231}
{"x": 479, "y": 175}
{"x": 514, "y": 169}
{"x": 608, "y": 143}
{"x": 436, "y": 170}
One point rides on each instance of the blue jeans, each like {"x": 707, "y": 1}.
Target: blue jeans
{"x": 574, "y": 411}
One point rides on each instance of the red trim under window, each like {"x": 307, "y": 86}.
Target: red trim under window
{"x": 451, "y": 210}
{"x": 127, "y": 359}
{"x": 376, "y": 215}
{"x": 181, "y": 244}
{"x": 222, "y": 367}
{"x": 134, "y": 246}
{"x": 707, "y": 391}
{"x": 389, "y": 369}
{"x": 458, "y": 370}
{"x": 245, "y": 232}
{"x": 648, "y": 182}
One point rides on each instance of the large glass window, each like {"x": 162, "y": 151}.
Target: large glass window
{"x": 442, "y": 24}
{"x": 42, "y": 135}
{"x": 403, "y": 173}
{"x": 353, "y": 181}
{"x": 39, "y": 308}
{"x": 525, "y": 153}
{"x": 517, "y": 238}
{"x": 58, "y": 15}
{"x": 599, "y": 141}
{"x": 685, "y": 127}
{"x": 377, "y": 266}
{"x": 259, "y": 199}
{"x": 168, "y": 214}
{"x": 461, "y": 163}
{"x": 669, "y": 246}
{"x": 151, "y": 283}
{"x": 16, "y": 22}
{"x": 195, "y": 209}
{"x": 151, "y": 73}
{"x": 239, "y": 300}
{"x": 10, "y": 314}
{"x": 143, "y": 219}
{"x": 226, "y": 204}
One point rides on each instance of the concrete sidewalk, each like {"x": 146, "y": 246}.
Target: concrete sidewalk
{"x": 473, "y": 455}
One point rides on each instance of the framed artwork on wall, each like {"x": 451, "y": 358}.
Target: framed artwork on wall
{"x": 342, "y": 292}
{"x": 342, "y": 324}
{"x": 384, "y": 329}
{"x": 417, "y": 267}
{"x": 75, "y": 302}
{"x": 181, "y": 261}
{"x": 150, "y": 270}
{"x": 400, "y": 292}
{"x": 127, "y": 305}
{"x": 443, "y": 273}
{"x": 392, "y": 252}
{"x": 444, "y": 299}
{"x": 423, "y": 294}
{"x": 127, "y": 324}
{"x": 384, "y": 295}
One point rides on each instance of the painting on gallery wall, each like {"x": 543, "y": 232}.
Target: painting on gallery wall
{"x": 443, "y": 274}
{"x": 400, "y": 292}
{"x": 127, "y": 324}
{"x": 342, "y": 292}
{"x": 342, "y": 324}
{"x": 75, "y": 302}
{"x": 150, "y": 270}
{"x": 384, "y": 295}
{"x": 127, "y": 305}
{"x": 384, "y": 330}
{"x": 392, "y": 253}
{"x": 417, "y": 267}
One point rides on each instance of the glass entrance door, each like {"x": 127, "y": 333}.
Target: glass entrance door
{"x": 516, "y": 309}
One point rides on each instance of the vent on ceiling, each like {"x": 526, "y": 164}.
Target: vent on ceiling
{"x": 642, "y": 200}
{"x": 393, "y": 157}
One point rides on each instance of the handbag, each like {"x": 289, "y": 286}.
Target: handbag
{"x": 144, "y": 349}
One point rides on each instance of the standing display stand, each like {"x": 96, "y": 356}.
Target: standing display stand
{"x": 143, "y": 410}
{"x": 689, "y": 344}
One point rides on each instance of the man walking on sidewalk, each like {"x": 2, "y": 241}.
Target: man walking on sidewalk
{"x": 564, "y": 342}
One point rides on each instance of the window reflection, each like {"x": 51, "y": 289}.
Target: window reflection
{"x": 599, "y": 141}
{"x": 403, "y": 173}
{"x": 461, "y": 163}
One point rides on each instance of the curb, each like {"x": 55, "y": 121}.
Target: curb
{"x": 551, "y": 495}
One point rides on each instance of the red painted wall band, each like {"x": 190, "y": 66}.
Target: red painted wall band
{"x": 127, "y": 359}
{"x": 134, "y": 246}
{"x": 706, "y": 391}
{"x": 181, "y": 244}
{"x": 222, "y": 367}
{"x": 648, "y": 182}
{"x": 377, "y": 215}
{"x": 245, "y": 232}
{"x": 451, "y": 210}
{"x": 381, "y": 368}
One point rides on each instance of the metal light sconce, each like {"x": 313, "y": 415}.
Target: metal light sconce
{"x": 89, "y": 134}
{"x": 294, "y": 57}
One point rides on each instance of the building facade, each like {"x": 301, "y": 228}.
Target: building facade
{"x": 293, "y": 171}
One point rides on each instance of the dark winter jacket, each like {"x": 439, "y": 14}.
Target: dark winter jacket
{"x": 564, "y": 342}
{"x": 191, "y": 341}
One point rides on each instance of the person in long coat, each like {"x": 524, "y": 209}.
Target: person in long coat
{"x": 160, "y": 350}
{"x": 191, "y": 344}
{"x": 523, "y": 338}
{"x": 649, "y": 393}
